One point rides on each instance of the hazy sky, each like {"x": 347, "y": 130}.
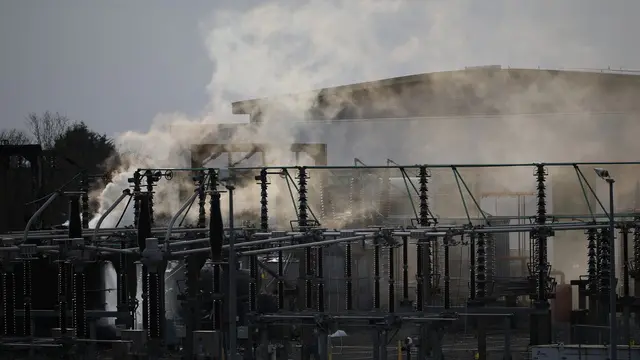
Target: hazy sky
{"x": 117, "y": 64}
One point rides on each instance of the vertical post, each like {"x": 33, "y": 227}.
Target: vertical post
{"x": 264, "y": 200}
{"x": 136, "y": 180}
{"x": 625, "y": 283}
{"x": 447, "y": 280}
{"x": 541, "y": 318}
{"x": 419, "y": 277}
{"x": 348, "y": 274}
{"x": 376, "y": 273}
{"x": 253, "y": 259}
{"x": 423, "y": 243}
{"x": 216, "y": 239}
{"x": 26, "y": 288}
{"x": 150, "y": 177}
{"x": 233, "y": 292}
{"x": 405, "y": 270}
{"x": 303, "y": 218}
{"x": 281, "y": 277}
{"x": 320, "y": 279}
{"x": 144, "y": 232}
{"x": 123, "y": 291}
{"x": 66, "y": 275}
{"x": 62, "y": 295}
{"x": 613, "y": 335}
{"x": 80, "y": 301}
{"x": 9, "y": 299}
{"x": 84, "y": 187}
{"x": 592, "y": 273}
{"x": 391, "y": 280}
{"x": 636, "y": 259}
{"x": 472, "y": 266}
{"x": 202, "y": 198}
{"x": 481, "y": 275}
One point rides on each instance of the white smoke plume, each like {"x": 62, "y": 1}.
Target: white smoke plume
{"x": 291, "y": 46}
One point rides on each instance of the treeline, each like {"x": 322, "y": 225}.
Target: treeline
{"x": 67, "y": 140}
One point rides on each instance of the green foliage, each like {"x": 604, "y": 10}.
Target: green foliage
{"x": 85, "y": 148}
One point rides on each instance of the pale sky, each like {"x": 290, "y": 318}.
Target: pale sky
{"x": 117, "y": 64}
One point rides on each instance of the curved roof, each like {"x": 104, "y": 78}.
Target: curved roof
{"x": 472, "y": 91}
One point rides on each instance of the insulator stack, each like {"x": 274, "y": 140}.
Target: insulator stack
{"x": 303, "y": 206}
{"x": 376, "y": 274}
{"x": 392, "y": 281}
{"x": 472, "y": 266}
{"x": 319, "y": 278}
{"x": 334, "y": 214}
{"x": 217, "y": 296}
{"x": 422, "y": 247}
{"x": 150, "y": 182}
{"x": 592, "y": 261}
{"x": 84, "y": 187}
{"x": 447, "y": 274}
{"x": 405, "y": 268}
{"x": 62, "y": 295}
{"x": 481, "y": 266}
{"x": 348, "y": 277}
{"x": 136, "y": 203}
{"x": 541, "y": 234}
{"x": 9, "y": 303}
{"x": 533, "y": 257}
{"x": 605, "y": 263}
{"x": 419, "y": 276}
{"x": 202, "y": 199}
{"x": 26, "y": 287}
{"x": 424, "y": 196}
{"x": 155, "y": 305}
{"x": 253, "y": 259}
{"x": 352, "y": 196}
{"x": 264, "y": 200}
{"x": 253, "y": 286}
{"x": 362, "y": 203}
{"x": 636, "y": 247}
{"x": 428, "y": 271}
{"x": 80, "y": 304}
{"x": 491, "y": 257}
{"x": 144, "y": 232}
{"x": 324, "y": 198}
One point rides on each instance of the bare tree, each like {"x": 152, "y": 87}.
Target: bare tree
{"x": 14, "y": 137}
{"x": 47, "y": 128}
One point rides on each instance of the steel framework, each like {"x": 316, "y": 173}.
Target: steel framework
{"x": 218, "y": 247}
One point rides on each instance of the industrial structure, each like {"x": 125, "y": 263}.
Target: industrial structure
{"x": 325, "y": 255}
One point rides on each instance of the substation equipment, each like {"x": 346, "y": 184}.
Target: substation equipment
{"x": 228, "y": 309}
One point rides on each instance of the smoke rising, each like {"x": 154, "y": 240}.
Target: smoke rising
{"x": 294, "y": 46}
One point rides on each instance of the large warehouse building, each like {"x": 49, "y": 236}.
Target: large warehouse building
{"x": 479, "y": 115}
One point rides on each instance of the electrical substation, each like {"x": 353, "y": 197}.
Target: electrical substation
{"x": 327, "y": 256}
